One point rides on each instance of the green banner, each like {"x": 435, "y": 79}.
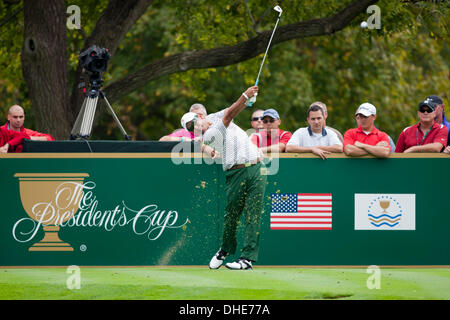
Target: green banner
{"x": 150, "y": 209}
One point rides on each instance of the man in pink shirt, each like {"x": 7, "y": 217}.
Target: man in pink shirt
{"x": 184, "y": 134}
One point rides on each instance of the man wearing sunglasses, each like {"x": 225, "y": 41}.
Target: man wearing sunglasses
{"x": 425, "y": 136}
{"x": 366, "y": 139}
{"x": 257, "y": 120}
{"x": 256, "y": 123}
{"x": 272, "y": 138}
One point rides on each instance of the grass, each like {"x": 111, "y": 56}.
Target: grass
{"x": 263, "y": 283}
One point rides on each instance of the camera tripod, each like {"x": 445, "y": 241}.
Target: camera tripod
{"x": 83, "y": 124}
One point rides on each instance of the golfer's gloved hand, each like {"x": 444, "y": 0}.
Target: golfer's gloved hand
{"x": 251, "y": 100}
{"x": 250, "y": 94}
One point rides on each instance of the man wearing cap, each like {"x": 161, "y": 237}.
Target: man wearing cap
{"x": 244, "y": 182}
{"x": 425, "y": 136}
{"x": 391, "y": 142}
{"x": 439, "y": 117}
{"x": 272, "y": 138}
{"x": 366, "y": 138}
{"x": 439, "y": 114}
{"x": 196, "y": 109}
{"x": 315, "y": 138}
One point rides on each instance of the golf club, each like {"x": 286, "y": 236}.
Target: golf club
{"x": 280, "y": 11}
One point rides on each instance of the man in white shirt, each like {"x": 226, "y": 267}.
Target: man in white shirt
{"x": 245, "y": 185}
{"x": 325, "y": 115}
{"x": 315, "y": 138}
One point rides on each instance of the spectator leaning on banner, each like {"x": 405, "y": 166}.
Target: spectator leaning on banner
{"x": 16, "y": 118}
{"x": 425, "y": 136}
{"x": 272, "y": 138}
{"x": 323, "y": 106}
{"x": 366, "y": 139}
{"x": 315, "y": 138}
{"x": 447, "y": 149}
{"x": 11, "y": 141}
{"x": 391, "y": 142}
{"x": 183, "y": 134}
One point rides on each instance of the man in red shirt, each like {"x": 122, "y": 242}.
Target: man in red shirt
{"x": 366, "y": 139}
{"x": 425, "y": 136}
{"x": 272, "y": 138}
{"x": 16, "y": 118}
{"x": 11, "y": 141}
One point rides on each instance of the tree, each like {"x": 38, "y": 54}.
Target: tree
{"x": 44, "y": 62}
{"x": 204, "y": 38}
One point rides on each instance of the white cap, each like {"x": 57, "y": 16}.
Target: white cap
{"x": 367, "y": 109}
{"x": 187, "y": 117}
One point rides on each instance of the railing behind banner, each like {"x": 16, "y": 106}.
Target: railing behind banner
{"x": 96, "y": 146}
{"x": 167, "y": 209}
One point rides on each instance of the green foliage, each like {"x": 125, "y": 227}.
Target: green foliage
{"x": 393, "y": 68}
{"x": 12, "y": 87}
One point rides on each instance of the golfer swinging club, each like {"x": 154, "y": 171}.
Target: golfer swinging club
{"x": 244, "y": 183}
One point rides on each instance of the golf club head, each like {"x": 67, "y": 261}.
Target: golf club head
{"x": 278, "y": 9}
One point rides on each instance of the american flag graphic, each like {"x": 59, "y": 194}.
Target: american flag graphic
{"x": 301, "y": 211}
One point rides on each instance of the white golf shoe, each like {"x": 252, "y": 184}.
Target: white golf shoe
{"x": 217, "y": 259}
{"x": 240, "y": 264}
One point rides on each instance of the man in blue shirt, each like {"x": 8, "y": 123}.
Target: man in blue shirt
{"x": 439, "y": 110}
{"x": 440, "y": 116}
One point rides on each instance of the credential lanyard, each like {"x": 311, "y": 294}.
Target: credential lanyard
{"x": 417, "y": 136}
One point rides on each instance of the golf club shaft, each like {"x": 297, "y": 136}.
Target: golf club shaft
{"x": 265, "y": 54}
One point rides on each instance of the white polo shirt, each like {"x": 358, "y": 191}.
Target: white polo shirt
{"x": 232, "y": 143}
{"x": 304, "y": 137}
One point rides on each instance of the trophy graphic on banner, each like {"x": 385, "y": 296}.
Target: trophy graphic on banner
{"x": 51, "y": 199}
{"x": 384, "y": 204}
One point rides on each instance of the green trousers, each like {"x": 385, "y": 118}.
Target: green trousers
{"x": 245, "y": 192}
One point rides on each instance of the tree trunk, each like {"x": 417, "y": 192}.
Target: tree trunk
{"x": 44, "y": 65}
